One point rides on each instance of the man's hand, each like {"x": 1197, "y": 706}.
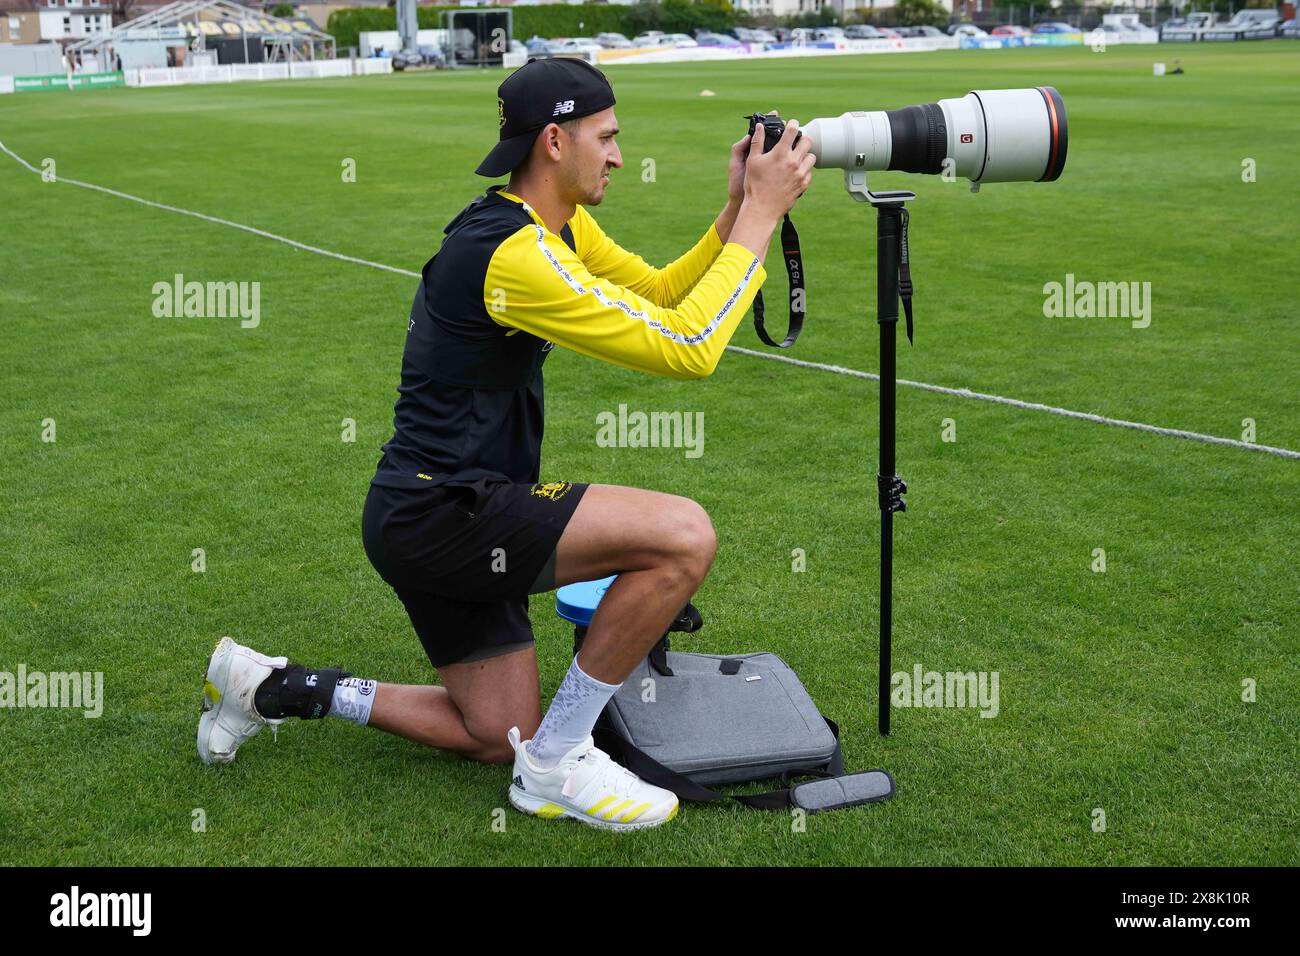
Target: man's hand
{"x": 775, "y": 180}
{"x": 736, "y": 168}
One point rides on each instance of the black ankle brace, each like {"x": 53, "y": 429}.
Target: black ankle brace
{"x": 297, "y": 691}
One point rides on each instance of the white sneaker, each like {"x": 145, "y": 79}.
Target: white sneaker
{"x": 589, "y": 787}
{"x": 229, "y": 717}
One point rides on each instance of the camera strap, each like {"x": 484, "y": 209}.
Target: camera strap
{"x": 793, "y": 257}
{"x": 905, "y": 276}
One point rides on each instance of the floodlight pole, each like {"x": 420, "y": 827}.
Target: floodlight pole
{"x": 890, "y": 239}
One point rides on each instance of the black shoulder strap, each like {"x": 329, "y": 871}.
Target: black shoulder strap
{"x": 653, "y": 772}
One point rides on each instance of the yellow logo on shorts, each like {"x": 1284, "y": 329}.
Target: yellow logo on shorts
{"x": 552, "y": 489}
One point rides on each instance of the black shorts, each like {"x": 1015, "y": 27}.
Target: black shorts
{"x": 464, "y": 558}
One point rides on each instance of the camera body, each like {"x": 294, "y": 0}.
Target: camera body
{"x": 773, "y": 128}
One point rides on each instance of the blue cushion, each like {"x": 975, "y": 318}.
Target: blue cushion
{"x": 577, "y": 602}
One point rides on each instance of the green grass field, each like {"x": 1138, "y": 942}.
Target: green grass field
{"x": 1119, "y": 690}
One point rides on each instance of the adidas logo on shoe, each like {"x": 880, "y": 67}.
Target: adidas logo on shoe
{"x": 518, "y": 781}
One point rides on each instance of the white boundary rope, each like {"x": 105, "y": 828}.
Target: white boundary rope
{"x": 1034, "y": 406}
{"x": 221, "y": 222}
{"x": 835, "y": 369}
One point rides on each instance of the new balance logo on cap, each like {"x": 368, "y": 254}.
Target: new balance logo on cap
{"x": 565, "y": 106}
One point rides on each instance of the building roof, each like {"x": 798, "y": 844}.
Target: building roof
{"x": 189, "y": 18}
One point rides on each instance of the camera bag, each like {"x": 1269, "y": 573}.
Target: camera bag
{"x": 688, "y": 722}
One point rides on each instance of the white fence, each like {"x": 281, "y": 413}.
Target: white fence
{"x": 238, "y": 72}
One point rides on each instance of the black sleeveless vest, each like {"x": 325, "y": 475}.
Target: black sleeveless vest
{"x": 470, "y": 403}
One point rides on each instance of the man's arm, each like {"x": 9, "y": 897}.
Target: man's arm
{"x": 536, "y": 283}
{"x": 665, "y": 287}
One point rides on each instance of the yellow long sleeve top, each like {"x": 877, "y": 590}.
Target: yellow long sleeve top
{"x": 594, "y": 297}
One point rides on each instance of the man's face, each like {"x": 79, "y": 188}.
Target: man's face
{"x": 592, "y": 155}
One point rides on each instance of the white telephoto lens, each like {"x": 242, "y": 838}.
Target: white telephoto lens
{"x": 857, "y": 140}
{"x": 1004, "y": 136}
{"x": 987, "y": 136}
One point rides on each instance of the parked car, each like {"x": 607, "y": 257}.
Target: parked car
{"x": 716, "y": 39}
{"x": 1054, "y": 28}
{"x": 584, "y": 46}
{"x": 754, "y": 35}
{"x": 613, "y": 41}
{"x": 829, "y": 34}
{"x": 536, "y": 45}
{"x": 402, "y": 60}
{"x": 1126, "y": 33}
{"x": 1290, "y": 30}
{"x": 1187, "y": 29}
{"x": 682, "y": 40}
{"x": 862, "y": 31}
{"x": 649, "y": 38}
{"x": 1246, "y": 25}
{"x": 890, "y": 33}
{"x": 966, "y": 30}
{"x": 1010, "y": 30}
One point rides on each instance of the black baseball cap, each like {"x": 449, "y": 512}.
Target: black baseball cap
{"x": 542, "y": 91}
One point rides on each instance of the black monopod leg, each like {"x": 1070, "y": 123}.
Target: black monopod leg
{"x": 890, "y": 488}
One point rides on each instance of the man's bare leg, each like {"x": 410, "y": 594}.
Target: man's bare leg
{"x": 659, "y": 545}
{"x": 470, "y": 714}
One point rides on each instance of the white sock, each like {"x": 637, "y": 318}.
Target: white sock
{"x": 571, "y": 716}
{"x": 353, "y": 699}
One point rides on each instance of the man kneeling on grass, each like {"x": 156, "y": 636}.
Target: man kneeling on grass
{"x": 523, "y": 269}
